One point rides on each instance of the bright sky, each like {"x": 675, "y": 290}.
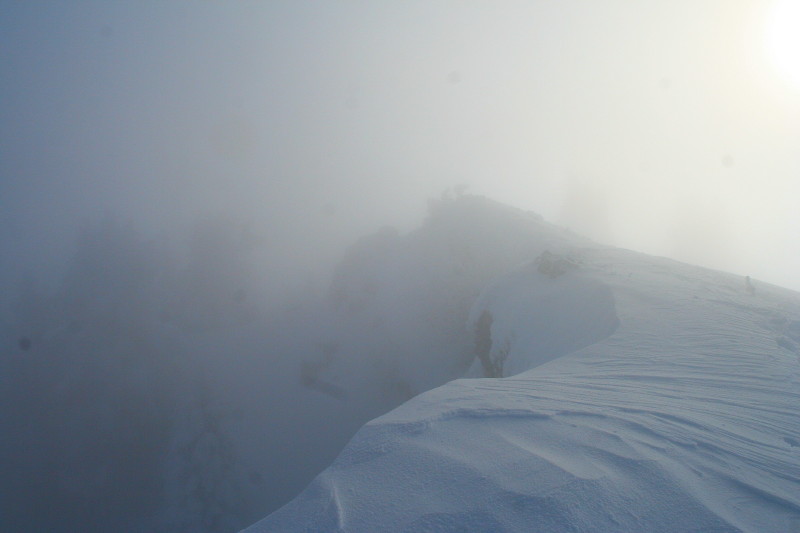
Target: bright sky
{"x": 670, "y": 127}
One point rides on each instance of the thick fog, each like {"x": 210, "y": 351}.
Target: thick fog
{"x": 663, "y": 126}
{"x": 179, "y": 181}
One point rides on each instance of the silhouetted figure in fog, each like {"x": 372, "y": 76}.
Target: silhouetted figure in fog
{"x": 483, "y": 346}
{"x": 24, "y": 344}
{"x": 748, "y": 285}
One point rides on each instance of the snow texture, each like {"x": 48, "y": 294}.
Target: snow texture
{"x": 644, "y": 395}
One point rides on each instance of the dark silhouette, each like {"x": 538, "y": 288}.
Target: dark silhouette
{"x": 748, "y": 285}
{"x": 483, "y": 346}
{"x": 552, "y": 265}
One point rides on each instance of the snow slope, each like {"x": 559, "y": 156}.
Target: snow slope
{"x": 644, "y": 395}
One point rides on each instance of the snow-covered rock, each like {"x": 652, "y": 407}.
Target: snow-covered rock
{"x": 397, "y": 322}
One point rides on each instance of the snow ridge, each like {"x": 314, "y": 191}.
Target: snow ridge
{"x": 646, "y": 395}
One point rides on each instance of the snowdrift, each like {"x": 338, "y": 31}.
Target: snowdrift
{"x": 642, "y": 395}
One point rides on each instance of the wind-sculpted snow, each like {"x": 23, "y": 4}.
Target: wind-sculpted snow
{"x": 536, "y": 318}
{"x": 685, "y": 418}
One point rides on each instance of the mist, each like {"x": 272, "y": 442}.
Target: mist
{"x": 184, "y": 178}
{"x": 320, "y": 123}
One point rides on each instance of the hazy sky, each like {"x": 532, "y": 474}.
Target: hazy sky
{"x": 661, "y": 126}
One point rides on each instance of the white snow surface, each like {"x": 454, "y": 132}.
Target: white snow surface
{"x": 645, "y": 395}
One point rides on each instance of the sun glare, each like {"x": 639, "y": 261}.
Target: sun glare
{"x": 783, "y": 39}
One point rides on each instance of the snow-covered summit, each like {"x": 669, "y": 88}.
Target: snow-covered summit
{"x": 399, "y": 304}
{"x": 641, "y": 394}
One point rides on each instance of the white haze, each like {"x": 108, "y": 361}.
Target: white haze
{"x": 656, "y": 126}
{"x": 178, "y": 181}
